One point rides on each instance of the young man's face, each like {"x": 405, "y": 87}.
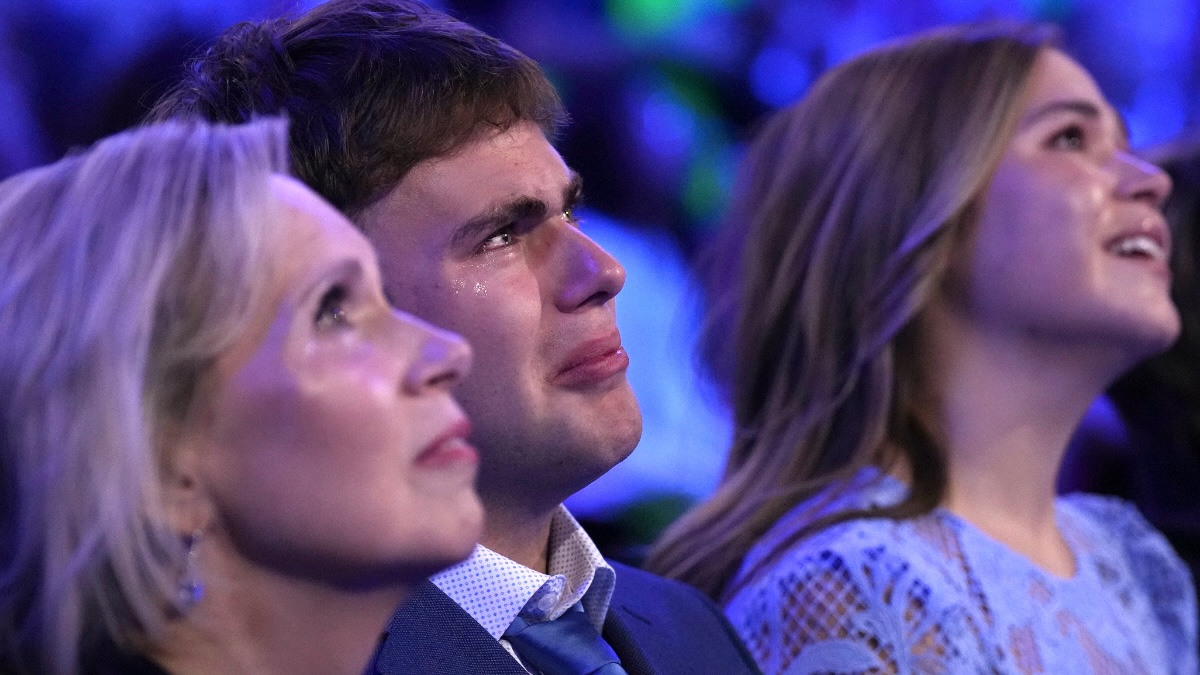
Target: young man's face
{"x": 483, "y": 242}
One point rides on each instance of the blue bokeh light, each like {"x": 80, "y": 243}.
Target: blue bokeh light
{"x": 1158, "y": 113}
{"x": 668, "y": 126}
{"x": 779, "y": 76}
{"x": 856, "y": 34}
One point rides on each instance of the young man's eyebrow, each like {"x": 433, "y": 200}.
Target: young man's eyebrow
{"x": 573, "y": 192}
{"x": 504, "y": 213}
{"x": 518, "y": 208}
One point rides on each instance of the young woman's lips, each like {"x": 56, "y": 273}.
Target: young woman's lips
{"x": 1148, "y": 244}
{"x": 593, "y": 362}
{"x": 451, "y": 447}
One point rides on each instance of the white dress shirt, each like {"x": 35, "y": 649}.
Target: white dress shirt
{"x": 494, "y": 589}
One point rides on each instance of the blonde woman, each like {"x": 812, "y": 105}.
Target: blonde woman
{"x": 222, "y": 451}
{"x": 947, "y": 251}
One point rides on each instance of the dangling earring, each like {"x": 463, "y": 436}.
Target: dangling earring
{"x": 191, "y": 587}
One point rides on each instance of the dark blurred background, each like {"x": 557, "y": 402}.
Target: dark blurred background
{"x": 663, "y": 96}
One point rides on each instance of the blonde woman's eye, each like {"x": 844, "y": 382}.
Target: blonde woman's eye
{"x": 1070, "y": 138}
{"x": 331, "y": 312}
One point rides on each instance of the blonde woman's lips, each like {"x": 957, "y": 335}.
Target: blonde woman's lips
{"x": 449, "y": 448}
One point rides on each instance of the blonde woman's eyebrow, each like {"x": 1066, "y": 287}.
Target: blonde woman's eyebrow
{"x": 348, "y": 270}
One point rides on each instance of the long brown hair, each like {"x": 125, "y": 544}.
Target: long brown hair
{"x": 847, "y": 211}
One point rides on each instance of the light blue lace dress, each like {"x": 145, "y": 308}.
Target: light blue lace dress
{"x": 936, "y": 595}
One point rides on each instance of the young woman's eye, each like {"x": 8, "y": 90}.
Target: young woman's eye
{"x": 1070, "y": 138}
{"x": 500, "y": 239}
{"x": 568, "y": 215}
{"x": 331, "y": 313}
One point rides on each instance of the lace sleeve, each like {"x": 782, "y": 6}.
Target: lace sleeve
{"x": 857, "y": 609}
{"x": 1157, "y": 569}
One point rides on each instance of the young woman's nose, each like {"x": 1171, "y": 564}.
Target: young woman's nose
{"x": 1141, "y": 180}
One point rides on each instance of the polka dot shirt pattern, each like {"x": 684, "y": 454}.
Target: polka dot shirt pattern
{"x": 494, "y": 589}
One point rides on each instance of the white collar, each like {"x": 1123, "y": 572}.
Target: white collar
{"x": 493, "y": 589}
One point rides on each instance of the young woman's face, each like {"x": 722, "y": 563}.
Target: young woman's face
{"x": 1071, "y": 246}
{"x": 333, "y": 448}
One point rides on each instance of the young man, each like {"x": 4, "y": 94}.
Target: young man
{"x": 433, "y": 138}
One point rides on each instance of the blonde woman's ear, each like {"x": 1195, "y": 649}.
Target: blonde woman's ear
{"x": 185, "y": 497}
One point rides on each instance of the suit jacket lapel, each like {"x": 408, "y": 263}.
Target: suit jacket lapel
{"x": 431, "y": 634}
{"x": 622, "y": 627}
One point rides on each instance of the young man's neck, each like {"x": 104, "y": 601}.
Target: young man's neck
{"x": 520, "y": 536}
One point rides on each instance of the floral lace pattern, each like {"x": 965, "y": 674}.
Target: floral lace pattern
{"x": 936, "y": 595}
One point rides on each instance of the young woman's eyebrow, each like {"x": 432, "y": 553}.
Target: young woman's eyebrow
{"x": 1082, "y": 107}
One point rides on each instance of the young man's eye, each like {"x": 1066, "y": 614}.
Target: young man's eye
{"x": 500, "y": 239}
{"x": 331, "y": 312}
{"x": 1070, "y": 138}
{"x": 568, "y": 215}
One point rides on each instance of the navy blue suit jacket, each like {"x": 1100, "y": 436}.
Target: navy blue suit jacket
{"x": 656, "y": 626}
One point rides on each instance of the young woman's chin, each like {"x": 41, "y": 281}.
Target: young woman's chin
{"x": 1120, "y": 342}
{"x": 1154, "y": 337}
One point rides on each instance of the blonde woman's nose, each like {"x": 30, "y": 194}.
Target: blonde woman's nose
{"x": 442, "y": 359}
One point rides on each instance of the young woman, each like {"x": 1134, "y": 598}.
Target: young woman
{"x": 222, "y": 451}
{"x": 1142, "y": 440}
{"x": 947, "y": 251}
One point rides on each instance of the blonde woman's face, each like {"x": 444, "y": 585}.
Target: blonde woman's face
{"x": 335, "y": 449}
{"x": 1071, "y": 246}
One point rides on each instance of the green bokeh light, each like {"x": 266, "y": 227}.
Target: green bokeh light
{"x": 1050, "y": 10}
{"x": 655, "y": 18}
{"x": 709, "y": 180}
{"x": 647, "y": 17}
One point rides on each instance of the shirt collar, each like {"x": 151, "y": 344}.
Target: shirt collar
{"x": 493, "y": 589}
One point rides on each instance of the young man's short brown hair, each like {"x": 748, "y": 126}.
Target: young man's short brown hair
{"x": 372, "y": 87}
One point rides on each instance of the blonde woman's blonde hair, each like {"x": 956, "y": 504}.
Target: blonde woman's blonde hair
{"x": 124, "y": 271}
{"x": 847, "y": 212}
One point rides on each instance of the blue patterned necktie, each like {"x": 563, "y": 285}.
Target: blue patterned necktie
{"x": 568, "y": 645}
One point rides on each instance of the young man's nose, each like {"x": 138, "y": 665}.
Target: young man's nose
{"x": 591, "y": 276}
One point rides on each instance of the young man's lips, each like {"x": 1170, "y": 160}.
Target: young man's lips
{"x": 593, "y": 362}
{"x": 450, "y": 447}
